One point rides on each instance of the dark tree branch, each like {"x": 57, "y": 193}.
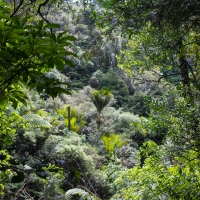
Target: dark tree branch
{"x": 179, "y": 41}
{"x": 168, "y": 75}
{"x": 39, "y": 12}
{"x": 15, "y": 10}
{"x": 9, "y": 80}
{"x": 18, "y": 7}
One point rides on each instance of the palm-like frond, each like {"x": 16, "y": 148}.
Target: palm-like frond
{"x": 112, "y": 142}
{"x": 42, "y": 112}
{"x": 101, "y": 99}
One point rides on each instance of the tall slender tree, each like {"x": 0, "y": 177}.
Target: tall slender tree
{"x": 100, "y": 100}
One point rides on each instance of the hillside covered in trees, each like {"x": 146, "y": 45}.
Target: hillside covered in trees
{"x": 99, "y": 100}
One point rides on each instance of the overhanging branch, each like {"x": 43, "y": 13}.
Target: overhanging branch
{"x": 39, "y": 10}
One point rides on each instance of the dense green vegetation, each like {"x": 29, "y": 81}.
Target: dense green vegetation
{"x": 99, "y": 100}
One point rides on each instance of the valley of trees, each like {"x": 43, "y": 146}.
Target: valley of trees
{"x": 99, "y": 100}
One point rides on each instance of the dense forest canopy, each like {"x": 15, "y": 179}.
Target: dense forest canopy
{"x": 165, "y": 31}
{"x": 99, "y": 99}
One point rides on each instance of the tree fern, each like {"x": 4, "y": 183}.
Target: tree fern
{"x": 35, "y": 121}
{"x": 36, "y": 126}
{"x": 100, "y": 100}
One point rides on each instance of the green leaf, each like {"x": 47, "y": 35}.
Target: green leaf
{"x": 51, "y": 63}
{"x": 70, "y": 37}
{"x": 58, "y": 62}
{"x": 25, "y": 48}
{"x": 24, "y": 20}
{"x": 4, "y": 102}
{"x": 60, "y": 90}
{"x": 60, "y": 35}
{"x": 2, "y": 3}
{"x": 14, "y": 103}
{"x": 25, "y": 77}
{"x": 40, "y": 25}
{"x": 52, "y": 26}
{"x": 2, "y": 26}
{"x": 68, "y": 62}
{"x": 54, "y": 91}
{"x": 2, "y": 16}
{"x": 16, "y": 21}
{"x": 19, "y": 96}
{"x": 53, "y": 37}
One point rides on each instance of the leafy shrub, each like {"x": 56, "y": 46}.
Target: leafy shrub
{"x": 159, "y": 178}
{"x": 36, "y": 127}
{"x": 82, "y": 28}
{"x": 72, "y": 152}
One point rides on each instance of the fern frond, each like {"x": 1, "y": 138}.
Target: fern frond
{"x": 36, "y": 132}
{"x": 36, "y": 121}
{"x": 77, "y": 191}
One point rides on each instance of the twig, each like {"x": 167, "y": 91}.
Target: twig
{"x": 18, "y": 7}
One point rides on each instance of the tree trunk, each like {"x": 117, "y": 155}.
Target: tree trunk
{"x": 184, "y": 70}
{"x": 69, "y": 118}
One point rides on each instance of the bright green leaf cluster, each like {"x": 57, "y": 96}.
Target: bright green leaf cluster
{"x": 76, "y": 119}
{"x": 27, "y": 51}
{"x": 160, "y": 178}
{"x": 112, "y": 142}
